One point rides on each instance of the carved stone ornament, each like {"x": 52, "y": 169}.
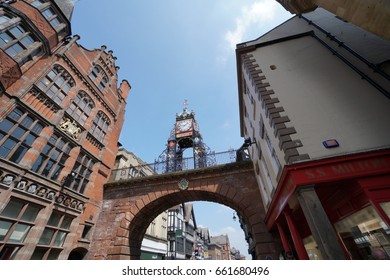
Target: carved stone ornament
{"x": 183, "y": 184}
{"x": 70, "y": 127}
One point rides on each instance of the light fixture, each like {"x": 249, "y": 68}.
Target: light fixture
{"x": 330, "y": 143}
{"x": 248, "y": 142}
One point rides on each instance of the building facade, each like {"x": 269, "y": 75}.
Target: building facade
{"x": 371, "y": 15}
{"x": 61, "y": 115}
{"x": 314, "y": 99}
{"x": 155, "y": 242}
{"x": 181, "y": 232}
{"x": 219, "y": 247}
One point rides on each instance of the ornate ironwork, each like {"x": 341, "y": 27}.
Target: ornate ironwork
{"x": 160, "y": 166}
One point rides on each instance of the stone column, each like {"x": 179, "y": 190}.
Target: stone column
{"x": 321, "y": 228}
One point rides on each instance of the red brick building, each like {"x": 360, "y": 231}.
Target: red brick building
{"x": 61, "y": 115}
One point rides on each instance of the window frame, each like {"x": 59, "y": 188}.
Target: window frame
{"x": 16, "y": 216}
{"x": 17, "y": 41}
{"x": 23, "y": 141}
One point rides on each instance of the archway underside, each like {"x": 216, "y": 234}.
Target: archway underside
{"x": 129, "y": 207}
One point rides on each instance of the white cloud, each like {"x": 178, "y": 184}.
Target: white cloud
{"x": 254, "y": 15}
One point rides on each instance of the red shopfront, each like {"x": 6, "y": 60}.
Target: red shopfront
{"x": 337, "y": 208}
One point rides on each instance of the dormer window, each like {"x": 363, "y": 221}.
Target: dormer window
{"x": 50, "y": 14}
{"x": 16, "y": 40}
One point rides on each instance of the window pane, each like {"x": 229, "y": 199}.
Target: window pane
{"x": 18, "y": 154}
{"x": 29, "y": 139}
{"x": 52, "y": 74}
{"x": 56, "y": 172}
{"x": 37, "y": 128}
{"x": 30, "y": 213}
{"x": 4, "y": 19}
{"x": 12, "y": 210}
{"x": 60, "y": 238}
{"x": 18, "y": 132}
{"x": 66, "y": 222}
{"x": 27, "y": 121}
{"x": 63, "y": 159}
{"x": 4, "y": 39}
{"x": 48, "y": 13}
{"x": 37, "y": 165}
{"x": 14, "y": 50}
{"x": 53, "y": 255}
{"x": 17, "y": 31}
{"x": 54, "y": 219}
{"x": 4, "y": 228}
{"x": 9, "y": 252}
{"x": 46, "y": 236}
{"x": 38, "y": 254}
{"x": 19, "y": 233}
{"x": 15, "y": 114}
{"x": 27, "y": 41}
{"x": 48, "y": 167}
{"x": 6, "y": 125}
{"x": 6, "y": 148}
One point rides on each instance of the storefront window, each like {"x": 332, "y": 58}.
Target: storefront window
{"x": 365, "y": 235}
{"x": 386, "y": 207}
{"x": 311, "y": 248}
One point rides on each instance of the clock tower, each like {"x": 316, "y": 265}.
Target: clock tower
{"x": 185, "y": 135}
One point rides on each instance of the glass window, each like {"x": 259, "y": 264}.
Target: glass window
{"x": 99, "y": 126}
{"x": 46, "y": 236}
{"x": 38, "y": 254}
{"x": 56, "y": 84}
{"x": 4, "y": 228}
{"x": 56, "y": 230}
{"x": 53, "y": 157}
{"x": 30, "y": 214}
{"x": 60, "y": 238}
{"x": 20, "y": 131}
{"x": 12, "y": 209}
{"x": 365, "y": 235}
{"x": 9, "y": 252}
{"x": 16, "y": 220}
{"x": 99, "y": 77}
{"x": 54, "y": 219}
{"x": 81, "y": 107}
{"x": 81, "y": 170}
{"x": 19, "y": 233}
{"x": 386, "y": 207}
{"x": 18, "y": 43}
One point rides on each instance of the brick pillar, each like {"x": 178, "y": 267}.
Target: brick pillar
{"x": 37, "y": 146}
{"x": 320, "y": 226}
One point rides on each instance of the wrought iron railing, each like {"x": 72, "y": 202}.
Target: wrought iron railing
{"x": 160, "y": 167}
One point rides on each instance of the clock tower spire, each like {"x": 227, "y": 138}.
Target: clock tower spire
{"x": 186, "y": 135}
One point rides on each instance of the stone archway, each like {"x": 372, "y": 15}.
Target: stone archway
{"x": 77, "y": 253}
{"x": 129, "y": 206}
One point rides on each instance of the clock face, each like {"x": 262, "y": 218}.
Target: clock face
{"x": 184, "y": 125}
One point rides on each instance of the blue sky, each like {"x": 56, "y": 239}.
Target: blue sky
{"x": 174, "y": 50}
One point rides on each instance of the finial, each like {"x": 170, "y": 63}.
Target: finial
{"x": 185, "y": 105}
